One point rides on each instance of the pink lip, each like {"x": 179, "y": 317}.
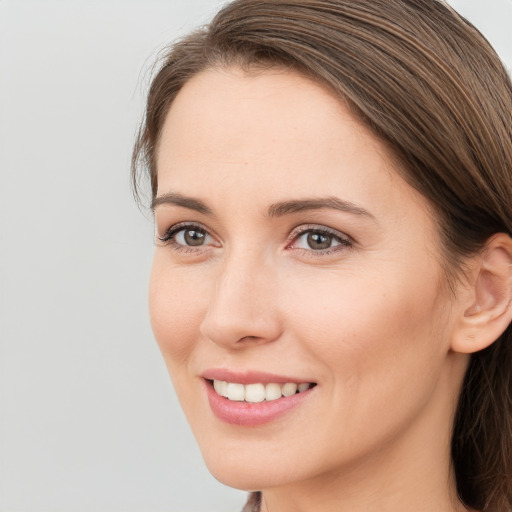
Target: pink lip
{"x": 248, "y": 377}
{"x": 249, "y": 414}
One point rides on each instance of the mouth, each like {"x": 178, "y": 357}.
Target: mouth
{"x": 252, "y": 399}
{"x": 258, "y": 392}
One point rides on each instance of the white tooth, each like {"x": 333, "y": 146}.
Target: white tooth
{"x": 272, "y": 391}
{"x": 254, "y": 393}
{"x": 220, "y": 386}
{"x": 289, "y": 389}
{"x": 303, "y": 386}
{"x": 235, "y": 392}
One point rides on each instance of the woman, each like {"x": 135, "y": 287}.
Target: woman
{"x": 332, "y": 279}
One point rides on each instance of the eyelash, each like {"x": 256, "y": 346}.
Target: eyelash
{"x": 169, "y": 237}
{"x": 343, "y": 241}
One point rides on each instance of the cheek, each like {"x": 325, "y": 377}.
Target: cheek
{"x": 380, "y": 345}
{"x": 177, "y": 302}
{"x": 375, "y": 336}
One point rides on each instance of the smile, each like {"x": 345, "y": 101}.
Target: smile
{"x": 252, "y": 403}
{"x": 258, "y": 392}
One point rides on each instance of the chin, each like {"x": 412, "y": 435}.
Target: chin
{"x": 249, "y": 480}
{"x": 247, "y": 473}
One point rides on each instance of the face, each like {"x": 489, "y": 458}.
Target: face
{"x": 297, "y": 273}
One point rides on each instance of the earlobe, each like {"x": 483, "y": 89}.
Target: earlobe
{"x": 489, "y": 309}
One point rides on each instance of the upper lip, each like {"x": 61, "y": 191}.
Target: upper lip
{"x": 249, "y": 377}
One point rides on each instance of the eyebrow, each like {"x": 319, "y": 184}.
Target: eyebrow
{"x": 330, "y": 202}
{"x": 179, "y": 200}
{"x": 275, "y": 210}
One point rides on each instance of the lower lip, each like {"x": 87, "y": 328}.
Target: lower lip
{"x": 248, "y": 414}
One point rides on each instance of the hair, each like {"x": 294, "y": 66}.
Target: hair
{"x": 430, "y": 86}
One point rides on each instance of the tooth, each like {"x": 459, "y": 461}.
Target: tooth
{"x": 220, "y": 386}
{"x": 289, "y": 389}
{"x": 303, "y": 386}
{"x": 254, "y": 393}
{"x": 272, "y": 391}
{"x": 235, "y": 392}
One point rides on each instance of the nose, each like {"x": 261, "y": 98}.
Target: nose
{"x": 243, "y": 308}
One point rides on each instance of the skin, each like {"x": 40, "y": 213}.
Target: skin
{"x": 369, "y": 320}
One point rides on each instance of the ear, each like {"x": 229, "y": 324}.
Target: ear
{"x": 487, "y": 304}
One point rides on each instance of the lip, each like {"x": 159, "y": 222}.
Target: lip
{"x": 251, "y": 414}
{"x": 249, "y": 377}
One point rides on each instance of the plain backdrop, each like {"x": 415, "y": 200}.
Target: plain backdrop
{"x": 88, "y": 419}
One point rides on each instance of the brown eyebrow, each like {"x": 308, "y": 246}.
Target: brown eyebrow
{"x": 179, "y": 200}
{"x": 287, "y": 207}
{"x": 274, "y": 210}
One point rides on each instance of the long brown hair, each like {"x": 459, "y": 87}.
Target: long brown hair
{"x": 429, "y": 85}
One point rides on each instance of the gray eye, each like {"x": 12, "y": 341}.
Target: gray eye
{"x": 319, "y": 241}
{"x": 316, "y": 241}
{"x": 192, "y": 237}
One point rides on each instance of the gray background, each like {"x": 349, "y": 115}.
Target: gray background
{"x": 88, "y": 418}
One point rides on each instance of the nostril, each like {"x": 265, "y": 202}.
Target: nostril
{"x": 248, "y": 338}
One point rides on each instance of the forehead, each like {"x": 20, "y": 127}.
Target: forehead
{"x": 225, "y": 117}
{"x": 250, "y": 101}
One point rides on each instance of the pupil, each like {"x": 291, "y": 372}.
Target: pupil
{"x": 319, "y": 241}
{"x": 194, "y": 237}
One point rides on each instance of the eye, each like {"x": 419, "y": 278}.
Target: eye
{"x": 190, "y": 236}
{"x": 184, "y": 236}
{"x": 319, "y": 240}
